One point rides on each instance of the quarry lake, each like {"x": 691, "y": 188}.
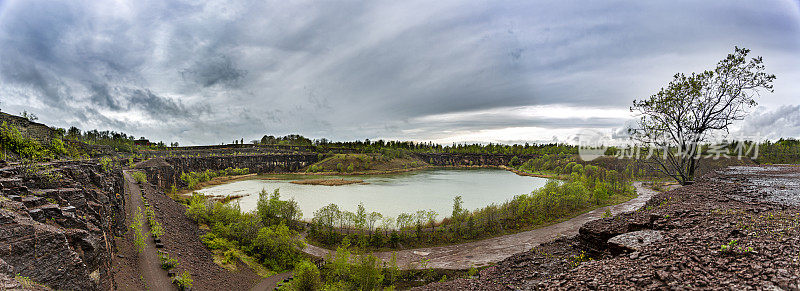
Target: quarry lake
{"x": 389, "y": 194}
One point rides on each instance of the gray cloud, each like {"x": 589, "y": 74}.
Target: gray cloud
{"x": 783, "y": 121}
{"x": 214, "y": 71}
{"x": 219, "y": 70}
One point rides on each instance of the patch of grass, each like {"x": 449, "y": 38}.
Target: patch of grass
{"x": 139, "y": 177}
{"x": 225, "y": 259}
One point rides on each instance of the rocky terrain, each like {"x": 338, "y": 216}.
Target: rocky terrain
{"x": 57, "y": 223}
{"x": 734, "y": 229}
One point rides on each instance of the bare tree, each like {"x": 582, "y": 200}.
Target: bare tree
{"x": 686, "y": 113}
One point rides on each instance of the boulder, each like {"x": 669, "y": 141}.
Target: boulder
{"x": 635, "y": 240}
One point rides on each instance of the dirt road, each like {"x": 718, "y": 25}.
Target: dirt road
{"x": 484, "y": 252}
{"x": 149, "y": 265}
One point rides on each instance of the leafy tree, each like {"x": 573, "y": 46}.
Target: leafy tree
{"x": 29, "y": 116}
{"x": 686, "y": 113}
{"x": 458, "y": 209}
{"x": 372, "y": 218}
{"x": 514, "y": 162}
{"x": 273, "y": 210}
{"x": 361, "y": 217}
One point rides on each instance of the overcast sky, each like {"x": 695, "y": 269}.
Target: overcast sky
{"x": 442, "y": 71}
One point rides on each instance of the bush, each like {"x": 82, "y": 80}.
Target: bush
{"x": 167, "y": 263}
{"x": 275, "y": 246}
{"x": 306, "y": 276}
{"x": 12, "y": 140}
{"x": 184, "y": 281}
{"x": 139, "y": 235}
{"x": 214, "y": 242}
{"x": 139, "y": 177}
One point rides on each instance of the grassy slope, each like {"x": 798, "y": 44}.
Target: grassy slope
{"x": 366, "y": 163}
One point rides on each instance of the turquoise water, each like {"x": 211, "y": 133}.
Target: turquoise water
{"x": 391, "y": 194}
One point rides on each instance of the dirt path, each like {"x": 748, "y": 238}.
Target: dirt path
{"x": 149, "y": 265}
{"x": 484, "y": 252}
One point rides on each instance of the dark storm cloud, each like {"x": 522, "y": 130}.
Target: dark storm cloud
{"x": 214, "y": 71}
{"x": 221, "y": 70}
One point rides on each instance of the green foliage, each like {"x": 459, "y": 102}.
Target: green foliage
{"x": 584, "y": 188}
{"x": 26, "y": 282}
{"x": 155, "y": 227}
{"x": 365, "y": 272}
{"x": 13, "y": 141}
{"x": 183, "y": 281}
{"x": 140, "y": 177}
{"x": 273, "y": 210}
{"x": 214, "y": 242}
{"x": 273, "y": 245}
{"x": 108, "y": 164}
{"x": 729, "y": 247}
{"x": 57, "y": 147}
{"x": 139, "y": 235}
{"x": 306, "y": 276}
{"x": 167, "y": 263}
{"x": 691, "y": 108}
{"x": 193, "y": 179}
{"x": 472, "y": 272}
{"x": 514, "y": 162}
{"x": 277, "y": 247}
{"x": 579, "y": 258}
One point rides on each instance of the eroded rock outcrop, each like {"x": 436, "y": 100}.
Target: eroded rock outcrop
{"x": 57, "y": 223}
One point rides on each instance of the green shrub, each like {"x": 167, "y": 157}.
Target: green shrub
{"x": 140, "y": 177}
{"x": 275, "y": 246}
{"x": 167, "y": 263}
{"x": 139, "y": 236}
{"x": 57, "y": 147}
{"x": 306, "y": 276}
{"x": 214, "y": 242}
{"x": 183, "y": 281}
{"x": 13, "y": 141}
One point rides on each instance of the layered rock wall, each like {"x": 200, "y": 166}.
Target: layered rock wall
{"x": 57, "y": 223}
{"x": 167, "y": 171}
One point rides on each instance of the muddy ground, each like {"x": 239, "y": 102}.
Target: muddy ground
{"x": 734, "y": 229}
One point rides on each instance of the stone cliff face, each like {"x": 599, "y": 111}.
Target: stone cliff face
{"x": 57, "y": 223}
{"x": 448, "y": 159}
{"x": 166, "y": 172}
